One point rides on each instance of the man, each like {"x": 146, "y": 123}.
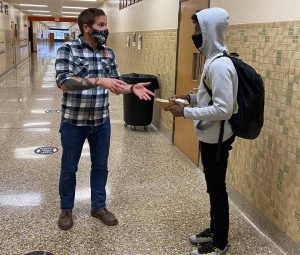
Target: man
{"x": 84, "y": 68}
{"x": 220, "y": 77}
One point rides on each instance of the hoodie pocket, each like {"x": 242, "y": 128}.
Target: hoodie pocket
{"x": 205, "y": 124}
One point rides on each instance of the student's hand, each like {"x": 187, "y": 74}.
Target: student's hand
{"x": 141, "y": 92}
{"x": 177, "y": 109}
{"x": 113, "y": 85}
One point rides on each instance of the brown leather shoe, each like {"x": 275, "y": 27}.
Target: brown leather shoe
{"x": 105, "y": 216}
{"x": 65, "y": 220}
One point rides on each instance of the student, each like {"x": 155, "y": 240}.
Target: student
{"x": 220, "y": 77}
{"x": 84, "y": 68}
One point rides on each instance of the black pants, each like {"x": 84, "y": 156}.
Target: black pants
{"x": 215, "y": 176}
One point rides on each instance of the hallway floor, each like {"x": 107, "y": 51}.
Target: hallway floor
{"x": 157, "y": 194}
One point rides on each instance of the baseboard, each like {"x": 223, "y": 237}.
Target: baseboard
{"x": 164, "y": 131}
{"x": 6, "y": 72}
{"x": 263, "y": 223}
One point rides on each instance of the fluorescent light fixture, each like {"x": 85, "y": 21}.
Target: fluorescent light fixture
{"x": 34, "y": 5}
{"x": 73, "y": 7}
{"x": 70, "y": 17}
{"x": 71, "y": 13}
{"x": 36, "y": 11}
{"x": 42, "y": 15}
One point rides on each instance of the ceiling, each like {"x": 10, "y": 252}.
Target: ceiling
{"x": 54, "y": 7}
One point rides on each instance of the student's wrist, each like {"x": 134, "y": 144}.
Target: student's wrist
{"x": 183, "y": 112}
{"x": 188, "y": 98}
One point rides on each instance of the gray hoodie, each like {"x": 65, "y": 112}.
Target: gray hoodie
{"x": 221, "y": 77}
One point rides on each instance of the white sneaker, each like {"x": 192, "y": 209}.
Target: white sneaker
{"x": 209, "y": 249}
{"x": 204, "y": 237}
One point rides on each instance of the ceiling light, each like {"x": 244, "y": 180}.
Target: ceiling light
{"x": 36, "y": 11}
{"x": 42, "y": 15}
{"x": 73, "y": 7}
{"x": 70, "y": 17}
{"x": 71, "y": 12}
{"x": 34, "y": 5}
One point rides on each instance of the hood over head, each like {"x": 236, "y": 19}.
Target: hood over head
{"x": 213, "y": 23}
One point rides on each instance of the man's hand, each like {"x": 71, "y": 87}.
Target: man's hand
{"x": 141, "y": 92}
{"x": 78, "y": 84}
{"x": 113, "y": 85}
{"x": 176, "y": 109}
{"x": 138, "y": 89}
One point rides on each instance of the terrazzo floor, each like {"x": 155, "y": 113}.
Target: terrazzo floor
{"x": 157, "y": 194}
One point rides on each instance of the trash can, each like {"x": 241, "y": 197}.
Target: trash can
{"x": 138, "y": 112}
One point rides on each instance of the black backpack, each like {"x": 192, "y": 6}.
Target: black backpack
{"x": 248, "y": 121}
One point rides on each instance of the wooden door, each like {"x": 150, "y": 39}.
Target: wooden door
{"x": 189, "y": 64}
{"x": 51, "y": 38}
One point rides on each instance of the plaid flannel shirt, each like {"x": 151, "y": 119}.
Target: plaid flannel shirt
{"x": 77, "y": 59}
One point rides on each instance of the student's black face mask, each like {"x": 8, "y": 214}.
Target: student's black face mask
{"x": 198, "y": 40}
{"x": 100, "y": 36}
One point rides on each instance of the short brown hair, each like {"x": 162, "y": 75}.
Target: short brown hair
{"x": 88, "y": 17}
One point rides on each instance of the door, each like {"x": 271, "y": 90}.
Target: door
{"x": 30, "y": 37}
{"x": 189, "y": 64}
{"x": 13, "y": 41}
{"x": 51, "y": 38}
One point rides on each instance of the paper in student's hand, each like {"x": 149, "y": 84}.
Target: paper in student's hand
{"x": 165, "y": 103}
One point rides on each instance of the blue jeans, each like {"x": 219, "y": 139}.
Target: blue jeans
{"x": 72, "y": 140}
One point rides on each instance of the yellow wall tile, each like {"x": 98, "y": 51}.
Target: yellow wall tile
{"x": 267, "y": 170}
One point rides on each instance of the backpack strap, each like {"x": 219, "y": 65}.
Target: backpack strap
{"x": 221, "y": 134}
{"x": 209, "y": 91}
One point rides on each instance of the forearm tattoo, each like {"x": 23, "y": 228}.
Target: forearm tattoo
{"x": 83, "y": 84}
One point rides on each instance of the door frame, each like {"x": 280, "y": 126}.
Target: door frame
{"x": 14, "y": 40}
{"x": 177, "y": 57}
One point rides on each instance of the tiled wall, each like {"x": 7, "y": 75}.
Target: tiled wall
{"x": 267, "y": 170}
{"x": 158, "y": 57}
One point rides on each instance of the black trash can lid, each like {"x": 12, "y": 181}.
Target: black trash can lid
{"x": 134, "y": 78}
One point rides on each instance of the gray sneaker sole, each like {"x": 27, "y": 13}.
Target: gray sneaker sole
{"x": 198, "y": 241}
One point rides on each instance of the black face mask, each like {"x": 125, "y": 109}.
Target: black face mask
{"x": 100, "y": 36}
{"x": 198, "y": 40}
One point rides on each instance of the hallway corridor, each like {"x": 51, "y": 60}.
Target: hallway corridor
{"x": 157, "y": 194}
